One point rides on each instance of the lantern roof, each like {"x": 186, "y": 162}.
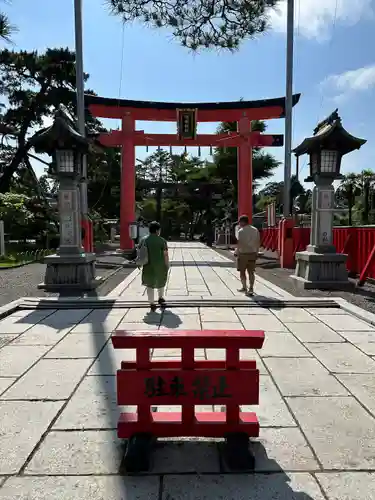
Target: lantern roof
{"x": 62, "y": 134}
{"x": 330, "y": 134}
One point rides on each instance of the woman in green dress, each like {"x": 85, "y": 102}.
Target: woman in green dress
{"x": 155, "y": 272}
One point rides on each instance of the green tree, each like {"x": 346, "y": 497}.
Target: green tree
{"x": 367, "y": 179}
{"x": 200, "y": 23}
{"x": 34, "y": 85}
{"x": 274, "y": 192}
{"x": 347, "y": 192}
{"x": 23, "y": 216}
{"x": 225, "y": 159}
{"x": 7, "y": 29}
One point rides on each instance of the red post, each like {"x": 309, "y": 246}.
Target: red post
{"x": 127, "y": 203}
{"x": 245, "y": 170}
{"x": 286, "y": 243}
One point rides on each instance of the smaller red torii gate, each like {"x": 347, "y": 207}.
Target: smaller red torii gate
{"x": 242, "y": 112}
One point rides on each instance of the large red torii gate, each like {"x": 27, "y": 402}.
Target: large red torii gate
{"x": 242, "y": 112}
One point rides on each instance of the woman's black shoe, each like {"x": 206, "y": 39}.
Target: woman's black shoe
{"x": 162, "y": 302}
{"x": 153, "y": 307}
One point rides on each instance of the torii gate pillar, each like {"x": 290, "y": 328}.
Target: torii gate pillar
{"x": 127, "y": 202}
{"x": 245, "y": 170}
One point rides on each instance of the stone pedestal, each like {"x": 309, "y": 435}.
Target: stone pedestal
{"x": 320, "y": 266}
{"x": 70, "y": 272}
{"x": 321, "y": 270}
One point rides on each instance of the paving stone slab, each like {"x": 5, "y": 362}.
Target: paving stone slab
{"x": 314, "y": 332}
{"x": 79, "y": 346}
{"x": 139, "y": 327}
{"x": 6, "y": 339}
{"x": 49, "y": 379}
{"x": 16, "y": 359}
{"x": 140, "y": 315}
{"x": 282, "y": 344}
{"x": 346, "y": 322}
{"x": 367, "y": 347}
{"x": 278, "y": 486}
{"x": 109, "y": 360}
{"x": 187, "y": 322}
{"x": 32, "y": 317}
{"x": 251, "y": 311}
{"x": 218, "y": 314}
{"x": 78, "y": 452}
{"x": 358, "y": 337}
{"x": 93, "y": 406}
{"x": 348, "y": 485}
{"x": 11, "y": 325}
{"x": 245, "y": 354}
{"x": 182, "y": 311}
{"x": 184, "y": 457}
{"x": 42, "y": 335}
{"x": 5, "y": 383}
{"x": 81, "y": 488}
{"x": 100, "y": 320}
{"x": 325, "y": 311}
{"x": 303, "y": 377}
{"x": 284, "y": 448}
{"x": 294, "y": 315}
{"x": 22, "y": 425}
{"x": 262, "y": 322}
{"x": 211, "y": 325}
{"x": 66, "y": 317}
{"x": 271, "y": 411}
{"x": 340, "y": 431}
{"x": 342, "y": 358}
{"x": 20, "y": 323}
{"x": 362, "y": 386}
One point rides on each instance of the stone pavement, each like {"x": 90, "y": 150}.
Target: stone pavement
{"x": 197, "y": 272}
{"x": 58, "y": 411}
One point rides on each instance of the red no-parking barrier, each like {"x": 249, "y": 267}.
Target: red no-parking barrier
{"x": 146, "y": 383}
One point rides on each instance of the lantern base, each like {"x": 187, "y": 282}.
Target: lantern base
{"x": 324, "y": 271}
{"x": 70, "y": 272}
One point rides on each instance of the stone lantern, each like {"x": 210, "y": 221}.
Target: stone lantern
{"x": 320, "y": 266}
{"x": 70, "y": 268}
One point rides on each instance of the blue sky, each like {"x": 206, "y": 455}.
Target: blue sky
{"x": 334, "y": 64}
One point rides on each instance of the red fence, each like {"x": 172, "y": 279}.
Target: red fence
{"x": 357, "y": 242}
{"x": 187, "y": 383}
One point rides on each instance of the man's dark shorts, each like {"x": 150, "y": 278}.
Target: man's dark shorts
{"x": 246, "y": 262}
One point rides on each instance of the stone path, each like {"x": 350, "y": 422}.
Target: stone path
{"x": 197, "y": 272}
{"x": 58, "y": 411}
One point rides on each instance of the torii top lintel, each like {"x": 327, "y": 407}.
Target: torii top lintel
{"x": 266, "y": 109}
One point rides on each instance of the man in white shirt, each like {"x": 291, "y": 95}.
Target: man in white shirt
{"x": 248, "y": 244}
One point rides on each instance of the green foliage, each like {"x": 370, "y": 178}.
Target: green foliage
{"x": 7, "y": 29}
{"x": 200, "y": 23}
{"x": 356, "y": 193}
{"x": 34, "y": 85}
{"x": 226, "y": 159}
{"x": 14, "y": 211}
{"x": 274, "y": 192}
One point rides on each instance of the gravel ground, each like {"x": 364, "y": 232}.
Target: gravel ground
{"x": 268, "y": 267}
{"x": 23, "y": 281}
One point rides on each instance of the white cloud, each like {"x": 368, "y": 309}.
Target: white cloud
{"x": 315, "y": 17}
{"x": 343, "y": 85}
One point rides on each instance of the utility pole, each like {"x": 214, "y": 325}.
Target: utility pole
{"x": 288, "y": 107}
{"x": 80, "y": 100}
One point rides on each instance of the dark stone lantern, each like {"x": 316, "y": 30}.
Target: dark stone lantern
{"x": 70, "y": 268}
{"x": 326, "y": 148}
{"x": 319, "y": 266}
